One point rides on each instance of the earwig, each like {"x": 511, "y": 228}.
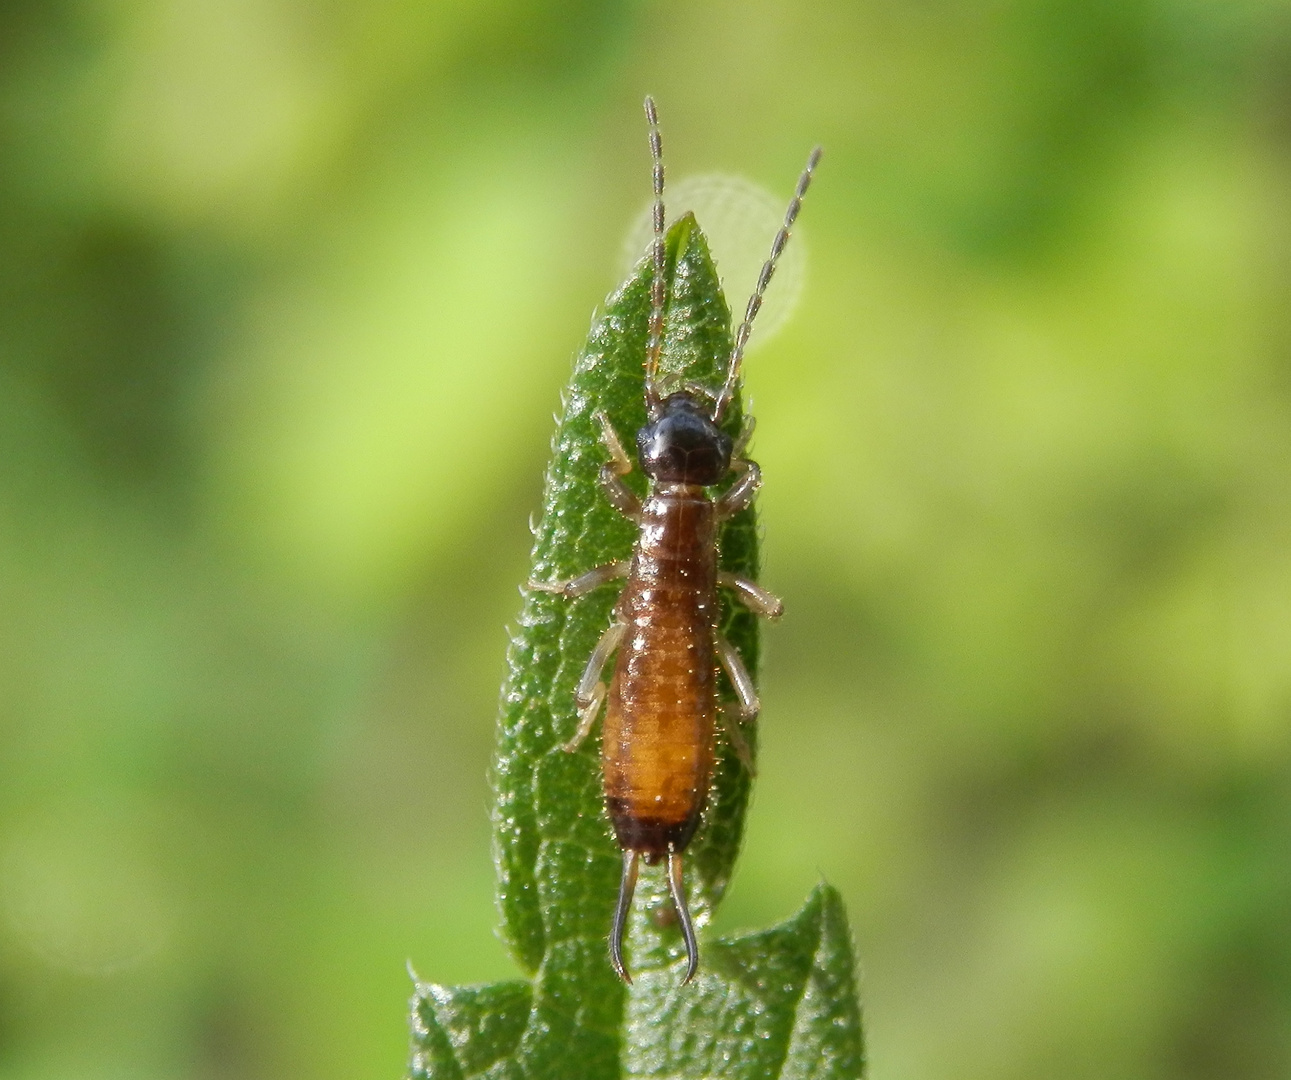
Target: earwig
{"x": 661, "y": 702}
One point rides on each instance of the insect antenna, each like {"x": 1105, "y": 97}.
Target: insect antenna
{"x": 657, "y": 284}
{"x": 627, "y": 886}
{"x": 677, "y": 886}
{"x": 764, "y": 279}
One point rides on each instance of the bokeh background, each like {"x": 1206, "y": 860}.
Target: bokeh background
{"x": 287, "y": 294}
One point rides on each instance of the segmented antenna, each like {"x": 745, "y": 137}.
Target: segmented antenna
{"x": 764, "y": 279}
{"x": 657, "y": 284}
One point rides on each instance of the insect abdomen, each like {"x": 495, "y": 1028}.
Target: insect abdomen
{"x": 657, "y": 742}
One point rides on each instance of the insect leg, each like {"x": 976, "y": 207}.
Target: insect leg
{"x": 750, "y": 706}
{"x": 731, "y": 725}
{"x": 627, "y": 886}
{"x": 746, "y": 433}
{"x": 620, "y": 496}
{"x": 621, "y": 463}
{"x": 752, "y": 595}
{"x": 740, "y": 494}
{"x": 591, "y": 689}
{"x": 677, "y": 886}
{"x": 584, "y": 583}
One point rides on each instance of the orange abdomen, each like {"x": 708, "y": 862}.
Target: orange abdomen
{"x": 656, "y": 750}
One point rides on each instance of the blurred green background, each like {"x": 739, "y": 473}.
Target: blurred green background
{"x": 287, "y": 294}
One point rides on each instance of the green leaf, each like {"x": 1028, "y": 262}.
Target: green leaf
{"x": 780, "y": 1003}
{"x": 777, "y": 1003}
{"x": 466, "y": 1031}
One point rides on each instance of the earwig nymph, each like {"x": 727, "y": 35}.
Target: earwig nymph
{"x": 661, "y": 701}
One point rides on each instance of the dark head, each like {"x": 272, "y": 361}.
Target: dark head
{"x": 684, "y": 446}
